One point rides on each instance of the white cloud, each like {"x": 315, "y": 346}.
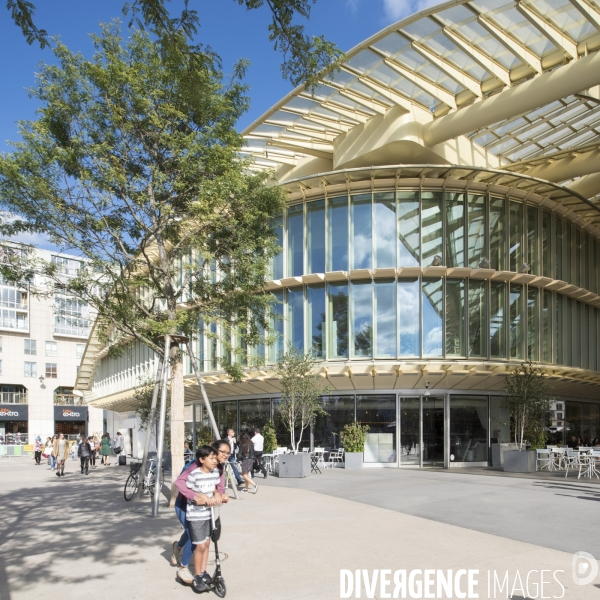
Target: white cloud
{"x": 352, "y": 5}
{"x": 398, "y": 9}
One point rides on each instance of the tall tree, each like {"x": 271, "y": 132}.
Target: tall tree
{"x": 303, "y": 56}
{"x": 134, "y": 165}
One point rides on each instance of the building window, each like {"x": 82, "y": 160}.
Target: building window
{"x": 559, "y": 415}
{"x": 0, "y": 343}
{"x": 30, "y": 369}
{"x": 30, "y": 347}
{"x": 79, "y": 350}
{"x": 71, "y": 316}
{"x": 51, "y": 371}
{"x": 66, "y": 266}
{"x": 51, "y": 349}
{"x": 0, "y": 367}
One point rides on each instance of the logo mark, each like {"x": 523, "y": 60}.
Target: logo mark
{"x": 585, "y": 568}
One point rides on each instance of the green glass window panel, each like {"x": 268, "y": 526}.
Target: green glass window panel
{"x": 585, "y": 264}
{"x": 576, "y": 279}
{"x": 568, "y": 267}
{"x": 315, "y": 315}
{"x": 254, "y": 413}
{"x": 592, "y": 265}
{"x": 295, "y": 317}
{"x": 337, "y": 234}
{"x": 433, "y": 317}
{"x": 593, "y": 365}
{"x": 385, "y": 319}
{"x": 431, "y": 236}
{"x": 409, "y": 324}
{"x": 455, "y": 230}
{"x": 590, "y": 422}
{"x": 315, "y": 236}
{"x": 532, "y": 239}
{"x": 498, "y": 234}
{"x": 576, "y": 335}
{"x": 277, "y": 261}
{"x": 455, "y": 317}
{"x": 469, "y": 428}
{"x": 558, "y": 248}
{"x": 546, "y": 256}
{"x": 276, "y": 324}
{"x": 408, "y": 229}
{"x": 338, "y": 310}
{"x": 516, "y": 236}
{"x": 212, "y": 345}
{"x": 295, "y": 240}
{"x": 498, "y": 319}
{"x": 226, "y": 416}
{"x": 384, "y": 209}
{"x": 500, "y": 420}
{"x": 558, "y": 334}
{"x": 327, "y": 428}
{"x": 573, "y": 424}
{"x": 516, "y": 321}
{"x": 477, "y": 230}
{"x": 361, "y": 296}
{"x": 477, "y": 319}
{"x": 547, "y": 327}
{"x": 362, "y": 232}
{"x": 532, "y": 324}
{"x": 585, "y": 336}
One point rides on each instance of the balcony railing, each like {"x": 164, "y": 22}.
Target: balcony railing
{"x": 13, "y": 397}
{"x": 22, "y": 306}
{"x": 65, "y": 400}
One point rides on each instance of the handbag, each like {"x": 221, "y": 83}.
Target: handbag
{"x": 117, "y": 450}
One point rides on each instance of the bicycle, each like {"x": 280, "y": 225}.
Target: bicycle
{"x": 149, "y": 482}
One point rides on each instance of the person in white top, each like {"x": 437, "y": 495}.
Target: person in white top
{"x": 259, "y": 443}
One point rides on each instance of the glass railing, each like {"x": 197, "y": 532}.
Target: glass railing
{"x": 64, "y": 400}
{"x": 13, "y": 397}
{"x": 14, "y": 304}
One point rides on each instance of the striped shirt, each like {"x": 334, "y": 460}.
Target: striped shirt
{"x": 201, "y": 483}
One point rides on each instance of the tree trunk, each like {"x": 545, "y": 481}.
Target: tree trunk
{"x": 177, "y": 423}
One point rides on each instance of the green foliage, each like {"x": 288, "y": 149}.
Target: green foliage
{"x": 300, "y": 391}
{"x": 143, "y": 401}
{"x": 353, "y": 437}
{"x": 528, "y": 398}
{"x": 270, "y": 436}
{"x": 204, "y": 435}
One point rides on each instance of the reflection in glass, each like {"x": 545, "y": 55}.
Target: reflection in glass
{"x": 558, "y": 248}
{"x": 315, "y": 234}
{"x": 455, "y": 317}
{"x": 469, "y": 428}
{"x": 499, "y": 421}
{"x": 576, "y": 333}
{"x": 433, "y": 430}
{"x": 409, "y": 325}
{"x": 516, "y": 236}
{"x": 590, "y": 422}
{"x": 532, "y": 324}
{"x": 476, "y": 237}
{"x": 385, "y": 319}
{"x": 277, "y": 261}
{"x": 568, "y": 272}
{"x": 295, "y": 317}
{"x": 585, "y": 334}
{"x": 431, "y": 236}
{"x": 532, "y": 239}
{"x": 573, "y": 424}
{"x": 362, "y": 318}
{"x": 547, "y": 327}
{"x": 433, "y": 307}
{"x": 315, "y": 304}
{"x": 408, "y": 229}
{"x": 361, "y": 232}
{"x": 254, "y": 413}
{"x": 384, "y": 208}
{"x": 295, "y": 240}
{"x": 455, "y": 230}
{"x": 559, "y": 337}
{"x": 497, "y": 234}
{"x": 379, "y": 413}
{"x": 327, "y": 428}
{"x": 546, "y": 236}
{"x": 337, "y": 232}
{"x": 410, "y": 443}
{"x": 477, "y": 341}
{"x": 497, "y": 319}
{"x": 575, "y": 275}
{"x": 338, "y": 309}
{"x": 516, "y": 321}
{"x": 225, "y": 415}
{"x": 283, "y": 435}
{"x": 593, "y": 339}
{"x": 276, "y": 349}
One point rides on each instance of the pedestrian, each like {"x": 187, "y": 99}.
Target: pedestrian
{"x": 247, "y": 456}
{"x": 233, "y": 448}
{"x": 118, "y": 444}
{"x": 94, "y": 449}
{"x": 74, "y": 449}
{"x": 52, "y": 457}
{"x": 47, "y": 454}
{"x": 84, "y": 451}
{"x": 37, "y": 450}
{"x": 60, "y": 451}
{"x": 188, "y": 455}
{"x": 105, "y": 449}
{"x": 259, "y": 443}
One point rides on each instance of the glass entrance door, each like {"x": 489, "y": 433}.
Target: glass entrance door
{"x": 410, "y": 432}
{"x": 433, "y": 430}
{"x": 421, "y": 431}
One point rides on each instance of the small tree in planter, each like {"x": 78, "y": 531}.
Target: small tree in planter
{"x": 353, "y": 438}
{"x": 300, "y": 392}
{"x": 270, "y": 436}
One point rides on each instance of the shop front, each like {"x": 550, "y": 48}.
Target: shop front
{"x": 13, "y": 428}
{"x": 70, "y": 420}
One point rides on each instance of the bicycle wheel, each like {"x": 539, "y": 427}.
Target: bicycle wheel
{"x": 131, "y": 486}
{"x": 220, "y": 588}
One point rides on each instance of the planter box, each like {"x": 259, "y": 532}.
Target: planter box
{"x": 519, "y": 462}
{"x": 498, "y": 451}
{"x": 294, "y": 465}
{"x": 353, "y": 460}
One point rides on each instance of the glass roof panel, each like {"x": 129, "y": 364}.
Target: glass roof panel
{"x": 441, "y": 45}
{"x": 385, "y": 75}
{"x": 357, "y": 86}
{"x": 510, "y": 126}
{"x": 586, "y": 137}
{"x": 364, "y": 61}
{"x": 529, "y": 134}
{"x": 566, "y": 17}
{"x": 456, "y": 15}
{"x": 415, "y": 62}
{"x": 491, "y": 5}
{"x": 484, "y": 139}
{"x": 502, "y": 146}
{"x": 517, "y": 25}
{"x": 422, "y": 28}
{"x": 341, "y": 77}
{"x": 391, "y": 44}
{"x": 414, "y": 92}
{"x": 284, "y": 117}
{"x": 300, "y": 103}
{"x": 486, "y": 42}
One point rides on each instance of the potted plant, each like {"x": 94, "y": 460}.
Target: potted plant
{"x": 528, "y": 398}
{"x": 353, "y": 439}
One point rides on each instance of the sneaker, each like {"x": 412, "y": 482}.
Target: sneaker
{"x": 58, "y": 473}
{"x": 184, "y": 575}
{"x": 245, "y": 491}
{"x": 198, "y": 584}
{"x": 176, "y": 556}
{"x": 265, "y": 475}
{"x": 255, "y": 489}
{"x": 208, "y": 580}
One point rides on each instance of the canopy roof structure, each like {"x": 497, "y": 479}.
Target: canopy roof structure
{"x": 510, "y": 85}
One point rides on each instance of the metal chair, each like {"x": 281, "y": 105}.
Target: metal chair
{"x": 543, "y": 460}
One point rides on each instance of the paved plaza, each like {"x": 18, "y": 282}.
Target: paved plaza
{"x": 76, "y": 537}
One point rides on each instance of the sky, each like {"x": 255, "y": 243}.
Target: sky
{"x": 230, "y": 30}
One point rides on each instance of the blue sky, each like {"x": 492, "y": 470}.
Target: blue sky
{"x": 228, "y": 28}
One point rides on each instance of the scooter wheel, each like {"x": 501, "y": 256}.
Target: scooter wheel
{"x": 220, "y": 589}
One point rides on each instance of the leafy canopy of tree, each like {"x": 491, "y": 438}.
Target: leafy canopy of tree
{"x": 303, "y": 56}
{"x": 134, "y": 165}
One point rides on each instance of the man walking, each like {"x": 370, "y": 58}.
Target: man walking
{"x": 259, "y": 442}
{"x": 85, "y": 452}
{"x": 233, "y": 445}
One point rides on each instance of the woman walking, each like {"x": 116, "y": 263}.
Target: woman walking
{"x": 93, "y": 449}
{"x": 247, "y": 456}
{"x": 37, "y": 450}
{"x": 105, "y": 449}
{"x": 50, "y": 450}
{"x": 60, "y": 451}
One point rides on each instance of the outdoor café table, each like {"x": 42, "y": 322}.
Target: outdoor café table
{"x": 268, "y": 458}
{"x": 314, "y": 460}
{"x": 589, "y": 462}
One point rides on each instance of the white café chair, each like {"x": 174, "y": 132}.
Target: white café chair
{"x": 573, "y": 461}
{"x": 336, "y": 457}
{"x": 320, "y": 455}
{"x": 543, "y": 460}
